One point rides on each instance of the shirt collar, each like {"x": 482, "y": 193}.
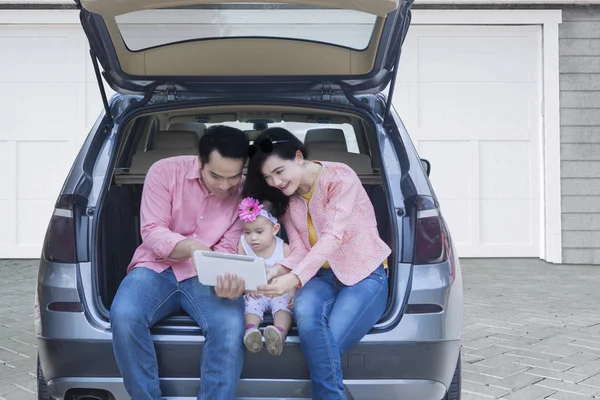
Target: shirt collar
{"x": 194, "y": 172}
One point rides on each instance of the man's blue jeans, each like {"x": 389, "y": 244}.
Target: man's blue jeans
{"x": 144, "y": 298}
{"x": 331, "y": 318}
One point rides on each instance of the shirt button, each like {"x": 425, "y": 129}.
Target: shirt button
{"x": 201, "y": 217}
{"x": 195, "y": 235}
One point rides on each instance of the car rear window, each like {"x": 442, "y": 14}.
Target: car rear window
{"x": 299, "y": 130}
{"x": 151, "y": 28}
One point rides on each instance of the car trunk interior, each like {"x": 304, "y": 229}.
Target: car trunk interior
{"x": 328, "y": 136}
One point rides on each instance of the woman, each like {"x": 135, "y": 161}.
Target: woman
{"x": 337, "y": 258}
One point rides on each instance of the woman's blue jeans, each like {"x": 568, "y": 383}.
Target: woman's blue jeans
{"x": 331, "y": 318}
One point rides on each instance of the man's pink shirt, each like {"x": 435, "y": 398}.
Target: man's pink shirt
{"x": 176, "y": 205}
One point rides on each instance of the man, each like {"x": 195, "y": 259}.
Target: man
{"x": 188, "y": 203}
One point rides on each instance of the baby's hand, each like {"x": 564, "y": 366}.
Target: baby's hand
{"x": 252, "y": 294}
{"x": 291, "y": 301}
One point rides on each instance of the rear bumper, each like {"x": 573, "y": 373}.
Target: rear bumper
{"x": 389, "y": 389}
{"x": 384, "y": 370}
{"x": 432, "y": 361}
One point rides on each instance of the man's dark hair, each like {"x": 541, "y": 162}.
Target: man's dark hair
{"x": 229, "y": 142}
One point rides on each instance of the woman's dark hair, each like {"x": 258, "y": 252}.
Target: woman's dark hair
{"x": 273, "y": 141}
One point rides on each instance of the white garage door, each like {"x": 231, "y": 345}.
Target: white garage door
{"x": 470, "y": 97}
{"x": 49, "y": 100}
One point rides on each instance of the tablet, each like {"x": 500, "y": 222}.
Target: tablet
{"x": 210, "y": 265}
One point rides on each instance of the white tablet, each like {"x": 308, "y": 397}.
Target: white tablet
{"x": 210, "y": 265}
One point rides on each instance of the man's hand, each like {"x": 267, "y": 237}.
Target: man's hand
{"x": 280, "y": 285}
{"x": 230, "y": 286}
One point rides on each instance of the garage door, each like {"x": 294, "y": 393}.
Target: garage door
{"x": 470, "y": 97}
{"x": 48, "y": 93}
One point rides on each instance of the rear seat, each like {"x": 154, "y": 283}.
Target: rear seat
{"x": 166, "y": 144}
{"x": 197, "y": 127}
{"x": 329, "y": 144}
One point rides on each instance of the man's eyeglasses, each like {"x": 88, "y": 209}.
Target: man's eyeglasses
{"x": 265, "y": 145}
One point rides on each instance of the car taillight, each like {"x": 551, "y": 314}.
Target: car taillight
{"x": 59, "y": 245}
{"x": 64, "y": 306}
{"x": 432, "y": 236}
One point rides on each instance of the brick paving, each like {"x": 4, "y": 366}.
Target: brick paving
{"x": 17, "y": 338}
{"x": 531, "y": 330}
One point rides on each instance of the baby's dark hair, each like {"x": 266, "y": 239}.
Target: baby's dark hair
{"x": 269, "y": 207}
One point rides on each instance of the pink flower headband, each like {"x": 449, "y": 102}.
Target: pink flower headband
{"x": 250, "y": 209}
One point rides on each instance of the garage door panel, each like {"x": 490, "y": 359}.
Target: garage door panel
{"x": 33, "y": 217}
{"x": 471, "y": 101}
{"x": 7, "y": 213}
{"x": 466, "y": 104}
{"x": 46, "y": 89}
{"x": 480, "y": 133}
{"x": 6, "y": 164}
{"x": 36, "y": 197}
{"x": 505, "y": 170}
{"x": 458, "y": 214}
{"x": 41, "y": 111}
{"x": 8, "y": 201}
{"x": 505, "y": 222}
{"x": 451, "y": 182}
{"x": 39, "y": 54}
{"x": 52, "y": 159}
{"x": 475, "y": 54}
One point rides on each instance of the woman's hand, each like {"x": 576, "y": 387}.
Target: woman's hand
{"x": 275, "y": 271}
{"x": 280, "y": 285}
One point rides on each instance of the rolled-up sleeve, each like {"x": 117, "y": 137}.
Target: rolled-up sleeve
{"x": 155, "y": 214}
{"x": 297, "y": 248}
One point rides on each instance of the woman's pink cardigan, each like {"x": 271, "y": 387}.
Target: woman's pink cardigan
{"x": 344, "y": 220}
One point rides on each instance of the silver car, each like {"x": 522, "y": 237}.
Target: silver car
{"x": 179, "y": 66}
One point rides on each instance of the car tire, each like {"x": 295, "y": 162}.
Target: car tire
{"x": 454, "y": 390}
{"x": 42, "y": 387}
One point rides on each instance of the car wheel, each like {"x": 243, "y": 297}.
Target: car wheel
{"x": 42, "y": 387}
{"x": 454, "y": 391}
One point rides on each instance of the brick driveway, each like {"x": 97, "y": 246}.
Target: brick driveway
{"x": 531, "y": 330}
